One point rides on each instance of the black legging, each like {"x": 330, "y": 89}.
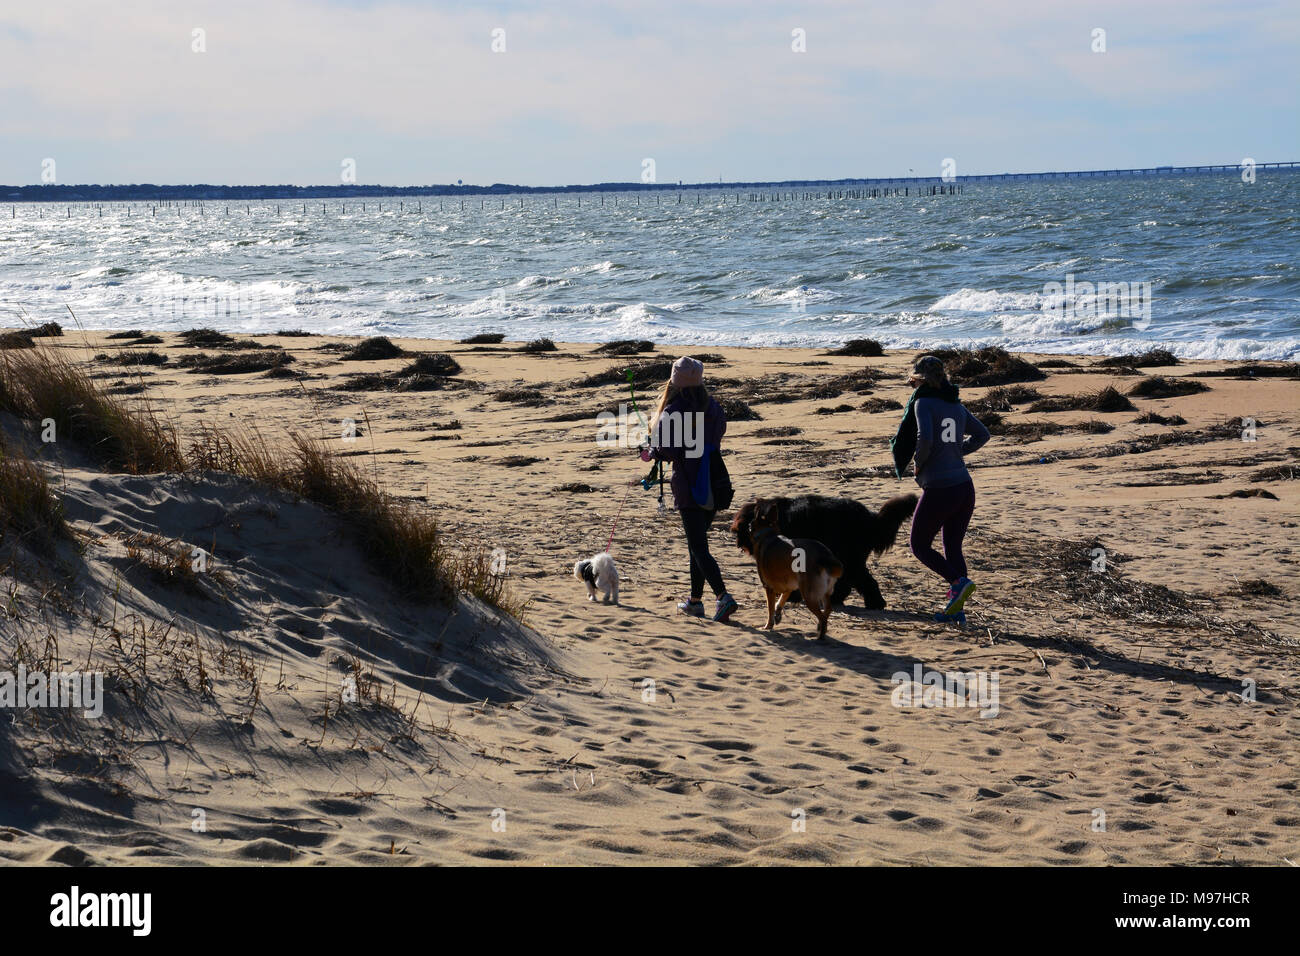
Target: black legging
{"x": 696, "y": 521}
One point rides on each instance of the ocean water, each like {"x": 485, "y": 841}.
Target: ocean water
{"x": 1205, "y": 266}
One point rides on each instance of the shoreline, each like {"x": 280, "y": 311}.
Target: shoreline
{"x": 664, "y": 347}
{"x": 286, "y": 337}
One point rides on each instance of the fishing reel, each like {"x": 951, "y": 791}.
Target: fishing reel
{"x": 655, "y": 476}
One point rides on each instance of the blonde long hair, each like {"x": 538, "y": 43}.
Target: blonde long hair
{"x": 670, "y": 392}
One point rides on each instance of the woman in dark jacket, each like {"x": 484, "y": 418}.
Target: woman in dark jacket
{"x": 938, "y": 433}
{"x": 686, "y": 429}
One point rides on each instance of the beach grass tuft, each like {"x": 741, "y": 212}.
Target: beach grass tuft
{"x": 132, "y": 358}
{"x": 1108, "y": 399}
{"x": 625, "y": 347}
{"x": 373, "y": 349}
{"x": 238, "y": 363}
{"x": 28, "y": 508}
{"x": 859, "y": 348}
{"x": 1158, "y": 386}
{"x": 538, "y": 345}
{"x": 987, "y": 366}
{"x": 432, "y": 363}
{"x": 16, "y": 340}
{"x": 1155, "y": 418}
{"x": 40, "y": 385}
{"x": 1148, "y": 359}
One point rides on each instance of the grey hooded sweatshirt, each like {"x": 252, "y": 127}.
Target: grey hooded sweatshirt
{"x": 945, "y": 434}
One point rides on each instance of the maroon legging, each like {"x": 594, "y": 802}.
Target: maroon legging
{"x": 949, "y": 509}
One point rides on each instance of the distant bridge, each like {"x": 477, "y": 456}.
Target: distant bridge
{"x": 1104, "y": 173}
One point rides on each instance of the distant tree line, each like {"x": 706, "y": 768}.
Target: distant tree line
{"x": 147, "y": 192}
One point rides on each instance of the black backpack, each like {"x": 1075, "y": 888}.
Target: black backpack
{"x": 720, "y": 482}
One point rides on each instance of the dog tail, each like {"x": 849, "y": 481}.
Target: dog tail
{"x": 892, "y": 515}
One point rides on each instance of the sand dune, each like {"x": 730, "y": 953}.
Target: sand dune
{"x": 1123, "y": 732}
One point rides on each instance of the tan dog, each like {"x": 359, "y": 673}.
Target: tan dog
{"x": 786, "y": 565}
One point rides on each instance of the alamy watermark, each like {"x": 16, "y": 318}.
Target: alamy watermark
{"x": 71, "y": 689}
{"x": 928, "y": 688}
{"x": 628, "y": 429}
{"x": 74, "y": 909}
{"x": 1095, "y": 300}
{"x": 202, "y": 306}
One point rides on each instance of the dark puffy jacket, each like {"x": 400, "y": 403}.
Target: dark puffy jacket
{"x": 688, "y": 447}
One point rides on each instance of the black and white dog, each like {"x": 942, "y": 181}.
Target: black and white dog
{"x": 599, "y": 573}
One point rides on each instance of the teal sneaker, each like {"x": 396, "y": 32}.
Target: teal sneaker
{"x": 962, "y": 589}
{"x": 726, "y": 607}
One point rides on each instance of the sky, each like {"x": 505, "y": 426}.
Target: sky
{"x": 414, "y": 93}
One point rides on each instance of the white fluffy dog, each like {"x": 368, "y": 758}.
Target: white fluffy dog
{"x": 598, "y": 573}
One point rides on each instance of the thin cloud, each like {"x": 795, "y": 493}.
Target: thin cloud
{"x": 585, "y": 91}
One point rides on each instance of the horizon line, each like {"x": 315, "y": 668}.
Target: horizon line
{"x": 31, "y": 192}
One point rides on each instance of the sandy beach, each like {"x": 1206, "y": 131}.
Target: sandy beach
{"x": 1146, "y": 710}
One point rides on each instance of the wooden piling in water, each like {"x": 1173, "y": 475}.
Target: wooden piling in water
{"x": 923, "y": 190}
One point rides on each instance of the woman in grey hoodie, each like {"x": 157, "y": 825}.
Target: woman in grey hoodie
{"x": 944, "y": 433}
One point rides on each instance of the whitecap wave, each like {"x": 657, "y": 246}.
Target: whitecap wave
{"x": 987, "y": 300}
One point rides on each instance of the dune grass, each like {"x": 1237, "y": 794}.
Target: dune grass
{"x": 400, "y": 538}
{"x": 171, "y": 562}
{"x": 39, "y": 385}
{"x": 28, "y": 508}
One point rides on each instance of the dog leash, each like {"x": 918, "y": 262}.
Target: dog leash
{"x": 644, "y": 483}
{"x": 617, "y": 515}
